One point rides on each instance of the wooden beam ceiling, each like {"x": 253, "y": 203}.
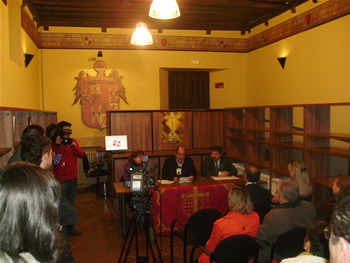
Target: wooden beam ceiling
{"x": 236, "y": 15}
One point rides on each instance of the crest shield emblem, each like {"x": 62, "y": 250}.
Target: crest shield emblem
{"x": 98, "y": 94}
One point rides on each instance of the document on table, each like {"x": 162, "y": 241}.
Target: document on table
{"x": 217, "y": 178}
{"x": 166, "y": 182}
{"x": 184, "y": 180}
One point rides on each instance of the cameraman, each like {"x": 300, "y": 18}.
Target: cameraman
{"x": 65, "y": 153}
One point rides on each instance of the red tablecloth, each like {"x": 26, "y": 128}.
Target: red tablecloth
{"x": 182, "y": 201}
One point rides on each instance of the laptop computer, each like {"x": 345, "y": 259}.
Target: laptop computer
{"x": 116, "y": 142}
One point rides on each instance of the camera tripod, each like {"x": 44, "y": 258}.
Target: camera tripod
{"x": 140, "y": 218}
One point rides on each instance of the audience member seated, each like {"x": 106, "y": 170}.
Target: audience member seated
{"x": 28, "y": 131}
{"x": 297, "y": 171}
{"x": 241, "y": 220}
{"x": 340, "y": 182}
{"x": 178, "y": 166}
{"x": 289, "y": 213}
{"x": 135, "y": 159}
{"x": 261, "y": 197}
{"x": 315, "y": 245}
{"x": 218, "y": 165}
{"x": 339, "y": 243}
{"x": 29, "y": 200}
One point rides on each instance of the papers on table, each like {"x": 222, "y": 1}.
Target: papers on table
{"x": 217, "y": 178}
{"x": 184, "y": 180}
{"x": 166, "y": 182}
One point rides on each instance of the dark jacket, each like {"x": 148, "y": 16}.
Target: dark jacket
{"x": 225, "y": 165}
{"x": 259, "y": 195}
{"x": 170, "y": 166}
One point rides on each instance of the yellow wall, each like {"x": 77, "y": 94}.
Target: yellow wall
{"x": 141, "y": 78}
{"x": 316, "y": 71}
{"x": 20, "y": 86}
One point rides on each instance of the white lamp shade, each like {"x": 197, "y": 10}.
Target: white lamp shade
{"x": 141, "y": 36}
{"x": 164, "y": 9}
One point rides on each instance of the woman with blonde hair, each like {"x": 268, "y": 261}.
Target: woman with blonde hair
{"x": 297, "y": 171}
{"x": 240, "y": 220}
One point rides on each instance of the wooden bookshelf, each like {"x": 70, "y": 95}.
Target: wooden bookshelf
{"x": 271, "y": 136}
{"x": 13, "y": 121}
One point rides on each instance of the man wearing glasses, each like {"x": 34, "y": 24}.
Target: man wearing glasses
{"x": 339, "y": 243}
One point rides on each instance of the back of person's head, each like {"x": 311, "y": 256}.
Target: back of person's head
{"x": 33, "y": 129}
{"x": 319, "y": 243}
{"x": 289, "y": 189}
{"x": 53, "y": 130}
{"x": 253, "y": 174}
{"x": 302, "y": 177}
{"x": 340, "y": 220}
{"x": 62, "y": 124}
{"x": 239, "y": 200}
{"x": 135, "y": 154}
{"x": 29, "y": 200}
{"x": 216, "y": 148}
{"x": 34, "y": 147}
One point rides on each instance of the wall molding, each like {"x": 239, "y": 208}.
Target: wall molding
{"x": 315, "y": 17}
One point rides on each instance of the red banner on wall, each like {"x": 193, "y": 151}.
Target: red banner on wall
{"x": 181, "y": 202}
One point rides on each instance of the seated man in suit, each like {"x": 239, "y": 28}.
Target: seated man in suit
{"x": 178, "y": 166}
{"x": 261, "y": 197}
{"x": 218, "y": 165}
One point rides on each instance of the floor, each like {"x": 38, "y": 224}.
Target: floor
{"x": 102, "y": 235}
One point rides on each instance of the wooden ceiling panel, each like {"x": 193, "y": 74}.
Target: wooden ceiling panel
{"x": 237, "y": 15}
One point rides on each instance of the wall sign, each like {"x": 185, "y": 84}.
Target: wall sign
{"x": 219, "y": 85}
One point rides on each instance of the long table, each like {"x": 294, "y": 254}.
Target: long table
{"x": 189, "y": 195}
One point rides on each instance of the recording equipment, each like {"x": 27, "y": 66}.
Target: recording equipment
{"x": 60, "y": 132}
{"x": 66, "y": 141}
{"x": 140, "y": 184}
{"x": 141, "y": 180}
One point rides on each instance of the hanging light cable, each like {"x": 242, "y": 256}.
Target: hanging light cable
{"x": 141, "y": 36}
{"x": 164, "y": 9}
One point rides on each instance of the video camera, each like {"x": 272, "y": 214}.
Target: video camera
{"x": 141, "y": 181}
{"x": 60, "y": 132}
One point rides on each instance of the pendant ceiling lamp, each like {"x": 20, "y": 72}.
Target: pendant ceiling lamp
{"x": 164, "y": 9}
{"x": 141, "y": 36}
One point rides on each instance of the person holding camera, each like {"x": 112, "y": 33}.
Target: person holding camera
{"x": 65, "y": 153}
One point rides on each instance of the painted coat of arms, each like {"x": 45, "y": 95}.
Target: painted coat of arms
{"x": 98, "y": 94}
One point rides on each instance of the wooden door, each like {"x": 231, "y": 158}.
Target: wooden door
{"x": 188, "y": 90}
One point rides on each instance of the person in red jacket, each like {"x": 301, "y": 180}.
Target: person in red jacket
{"x": 65, "y": 154}
{"x": 241, "y": 220}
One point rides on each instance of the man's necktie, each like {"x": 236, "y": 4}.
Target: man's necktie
{"x": 216, "y": 166}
